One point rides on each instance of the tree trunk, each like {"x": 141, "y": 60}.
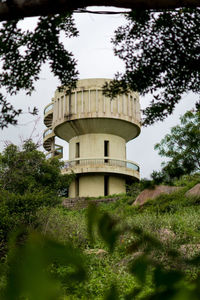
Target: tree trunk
{"x": 13, "y": 9}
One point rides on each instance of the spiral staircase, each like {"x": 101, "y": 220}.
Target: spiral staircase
{"x": 53, "y": 150}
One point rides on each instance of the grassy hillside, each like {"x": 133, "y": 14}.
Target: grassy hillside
{"x": 165, "y": 232}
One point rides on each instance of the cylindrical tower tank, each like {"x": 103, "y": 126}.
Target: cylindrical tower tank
{"x": 97, "y": 129}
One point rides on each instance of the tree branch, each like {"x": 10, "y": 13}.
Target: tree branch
{"x": 13, "y": 9}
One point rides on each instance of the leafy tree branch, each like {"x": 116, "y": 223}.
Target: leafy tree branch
{"x": 182, "y": 147}
{"x": 24, "y": 52}
{"x": 161, "y": 55}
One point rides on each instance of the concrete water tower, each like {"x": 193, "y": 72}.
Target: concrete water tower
{"x": 97, "y": 130}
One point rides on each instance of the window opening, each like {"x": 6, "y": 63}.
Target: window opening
{"x": 106, "y": 185}
{"x": 106, "y": 150}
{"x": 77, "y": 150}
{"x": 77, "y": 154}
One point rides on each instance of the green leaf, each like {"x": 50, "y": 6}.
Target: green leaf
{"x": 108, "y": 231}
{"x": 112, "y": 294}
{"x": 92, "y": 216}
{"x": 166, "y": 279}
{"x": 29, "y": 274}
{"x": 139, "y": 268}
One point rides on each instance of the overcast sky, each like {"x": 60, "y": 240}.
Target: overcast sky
{"x": 93, "y": 51}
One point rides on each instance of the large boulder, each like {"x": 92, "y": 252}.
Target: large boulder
{"x": 195, "y": 191}
{"x": 154, "y": 193}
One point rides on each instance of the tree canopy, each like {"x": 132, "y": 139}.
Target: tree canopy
{"x": 21, "y": 68}
{"x": 161, "y": 52}
{"x": 28, "y": 181}
{"x": 27, "y": 169}
{"x": 160, "y": 49}
{"x": 182, "y": 147}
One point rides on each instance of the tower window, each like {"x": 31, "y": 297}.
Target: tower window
{"x": 77, "y": 153}
{"x": 106, "y": 150}
{"x": 77, "y": 150}
{"x": 58, "y": 109}
{"x": 106, "y": 185}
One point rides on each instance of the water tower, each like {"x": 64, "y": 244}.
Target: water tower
{"x": 97, "y": 129}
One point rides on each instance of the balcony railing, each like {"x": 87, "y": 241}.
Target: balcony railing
{"x": 47, "y": 131}
{"x": 58, "y": 151}
{"x": 106, "y": 161}
{"x": 48, "y": 108}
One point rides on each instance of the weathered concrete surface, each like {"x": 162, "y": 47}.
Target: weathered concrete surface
{"x": 195, "y": 191}
{"x": 97, "y": 129}
{"x": 86, "y": 110}
{"x": 154, "y": 193}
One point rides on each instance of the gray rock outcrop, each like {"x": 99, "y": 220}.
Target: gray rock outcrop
{"x": 195, "y": 191}
{"x": 154, "y": 193}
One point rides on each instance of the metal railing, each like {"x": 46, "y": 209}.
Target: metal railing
{"x": 106, "y": 161}
{"x": 48, "y": 108}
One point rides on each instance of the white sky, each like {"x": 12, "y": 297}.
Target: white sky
{"x": 93, "y": 50}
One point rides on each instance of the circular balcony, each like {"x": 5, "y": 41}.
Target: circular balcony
{"x": 48, "y": 115}
{"x": 48, "y": 137}
{"x": 57, "y": 152}
{"x": 86, "y": 110}
{"x": 102, "y": 165}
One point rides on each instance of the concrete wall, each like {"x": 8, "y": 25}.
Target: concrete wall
{"x": 87, "y": 117}
{"x": 87, "y": 110}
{"x": 92, "y": 146}
{"x": 92, "y": 185}
{"x": 89, "y": 186}
{"x": 88, "y": 98}
{"x": 116, "y": 185}
{"x": 72, "y": 192}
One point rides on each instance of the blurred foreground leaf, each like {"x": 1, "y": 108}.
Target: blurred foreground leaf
{"x": 29, "y": 276}
{"x": 106, "y": 226}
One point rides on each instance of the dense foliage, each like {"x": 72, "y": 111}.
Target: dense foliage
{"x": 117, "y": 251}
{"x": 27, "y": 182}
{"x": 161, "y": 55}
{"x": 160, "y": 50}
{"x": 182, "y": 147}
{"x": 26, "y": 169}
{"x": 23, "y": 53}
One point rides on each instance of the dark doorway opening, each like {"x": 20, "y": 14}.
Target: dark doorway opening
{"x": 106, "y": 185}
{"x": 77, "y": 153}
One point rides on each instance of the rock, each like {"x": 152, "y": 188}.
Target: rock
{"x": 166, "y": 234}
{"x": 190, "y": 250}
{"x": 128, "y": 259}
{"x": 96, "y": 251}
{"x": 195, "y": 191}
{"x": 154, "y": 193}
{"x": 100, "y": 252}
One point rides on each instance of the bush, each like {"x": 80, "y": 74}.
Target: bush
{"x": 20, "y": 210}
